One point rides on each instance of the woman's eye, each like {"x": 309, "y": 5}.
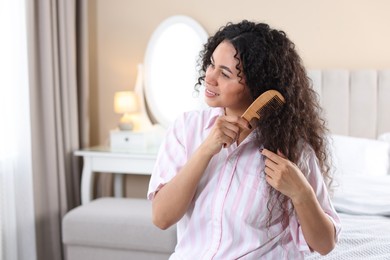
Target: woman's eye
{"x": 225, "y": 75}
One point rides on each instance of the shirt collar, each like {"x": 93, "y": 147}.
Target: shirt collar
{"x": 214, "y": 114}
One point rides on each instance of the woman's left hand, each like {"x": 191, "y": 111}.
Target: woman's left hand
{"x": 285, "y": 176}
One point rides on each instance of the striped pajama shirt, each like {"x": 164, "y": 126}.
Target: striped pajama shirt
{"x": 228, "y": 215}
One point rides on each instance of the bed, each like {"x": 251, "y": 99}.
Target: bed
{"x": 357, "y": 108}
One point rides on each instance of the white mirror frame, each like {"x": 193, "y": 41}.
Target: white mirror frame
{"x": 170, "y": 70}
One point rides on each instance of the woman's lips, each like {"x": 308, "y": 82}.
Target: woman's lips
{"x": 210, "y": 93}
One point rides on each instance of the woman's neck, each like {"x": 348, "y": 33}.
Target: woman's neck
{"x": 231, "y": 112}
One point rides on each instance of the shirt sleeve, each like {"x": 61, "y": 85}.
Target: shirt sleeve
{"x": 314, "y": 176}
{"x": 170, "y": 158}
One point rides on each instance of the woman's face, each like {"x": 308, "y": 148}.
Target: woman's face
{"x": 223, "y": 86}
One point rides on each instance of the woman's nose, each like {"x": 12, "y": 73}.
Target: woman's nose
{"x": 210, "y": 77}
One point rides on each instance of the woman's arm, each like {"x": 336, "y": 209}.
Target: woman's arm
{"x": 173, "y": 199}
{"x": 317, "y": 228}
{"x": 286, "y": 177}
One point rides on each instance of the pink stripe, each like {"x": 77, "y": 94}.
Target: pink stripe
{"x": 214, "y": 201}
{"x": 242, "y": 185}
{"x": 224, "y": 199}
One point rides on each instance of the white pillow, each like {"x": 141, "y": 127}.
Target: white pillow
{"x": 384, "y": 137}
{"x": 363, "y": 194}
{"x": 360, "y": 156}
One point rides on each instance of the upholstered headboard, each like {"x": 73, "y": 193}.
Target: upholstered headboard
{"x": 356, "y": 103}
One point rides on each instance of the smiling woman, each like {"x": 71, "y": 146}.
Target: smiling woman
{"x": 170, "y": 68}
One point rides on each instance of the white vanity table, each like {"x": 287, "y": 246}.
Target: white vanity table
{"x": 103, "y": 159}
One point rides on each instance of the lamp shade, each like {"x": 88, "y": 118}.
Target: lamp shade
{"x": 125, "y": 102}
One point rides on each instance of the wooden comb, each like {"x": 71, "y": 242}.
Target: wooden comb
{"x": 271, "y": 99}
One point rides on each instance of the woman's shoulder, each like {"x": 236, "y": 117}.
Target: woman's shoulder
{"x": 307, "y": 151}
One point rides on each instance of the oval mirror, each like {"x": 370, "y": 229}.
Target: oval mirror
{"x": 171, "y": 68}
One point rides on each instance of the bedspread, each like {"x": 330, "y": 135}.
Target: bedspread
{"x": 362, "y": 237}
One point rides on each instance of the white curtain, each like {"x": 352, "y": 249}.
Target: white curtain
{"x": 17, "y": 228}
{"x": 43, "y": 109}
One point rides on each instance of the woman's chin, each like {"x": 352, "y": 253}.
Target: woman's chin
{"x": 211, "y": 103}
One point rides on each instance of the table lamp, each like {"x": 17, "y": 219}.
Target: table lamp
{"x": 125, "y": 102}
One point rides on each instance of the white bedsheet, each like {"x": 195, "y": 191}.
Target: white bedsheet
{"x": 362, "y": 237}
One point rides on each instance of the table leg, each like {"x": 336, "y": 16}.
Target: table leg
{"x": 86, "y": 181}
{"x": 118, "y": 185}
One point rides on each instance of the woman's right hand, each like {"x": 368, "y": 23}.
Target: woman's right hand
{"x": 226, "y": 130}
{"x": 169, "y": 208}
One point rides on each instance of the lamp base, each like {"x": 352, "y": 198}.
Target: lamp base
{"x": 126, "y": 122}
{"x": 128, "y": 126}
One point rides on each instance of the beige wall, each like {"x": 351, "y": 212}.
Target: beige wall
{"x": 347, "y": 34}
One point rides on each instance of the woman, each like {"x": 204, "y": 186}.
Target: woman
{"x": 237, "y": 191}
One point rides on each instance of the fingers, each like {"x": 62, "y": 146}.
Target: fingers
{"x": 273, "y": 156}
{"x": 227, "y": 141}
{"x": 269, "y": 172}
{"x": 233, "y": 131}
{"x": 230, "y": 128}
{"x": 272, "y": 174}
{"x": 270, "y": 164}
{"x": 269, "y": 179}
{"x": 238, "y": 121}
{"x": 230, "y": 134}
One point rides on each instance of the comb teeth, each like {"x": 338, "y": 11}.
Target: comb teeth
{"x": 270, "y": 99}
{"x": 274, "y": 103}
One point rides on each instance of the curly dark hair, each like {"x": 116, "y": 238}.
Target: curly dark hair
{"x": 267, "y": 59}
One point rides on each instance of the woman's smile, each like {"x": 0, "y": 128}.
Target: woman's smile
{"x": 210, "y": 94}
